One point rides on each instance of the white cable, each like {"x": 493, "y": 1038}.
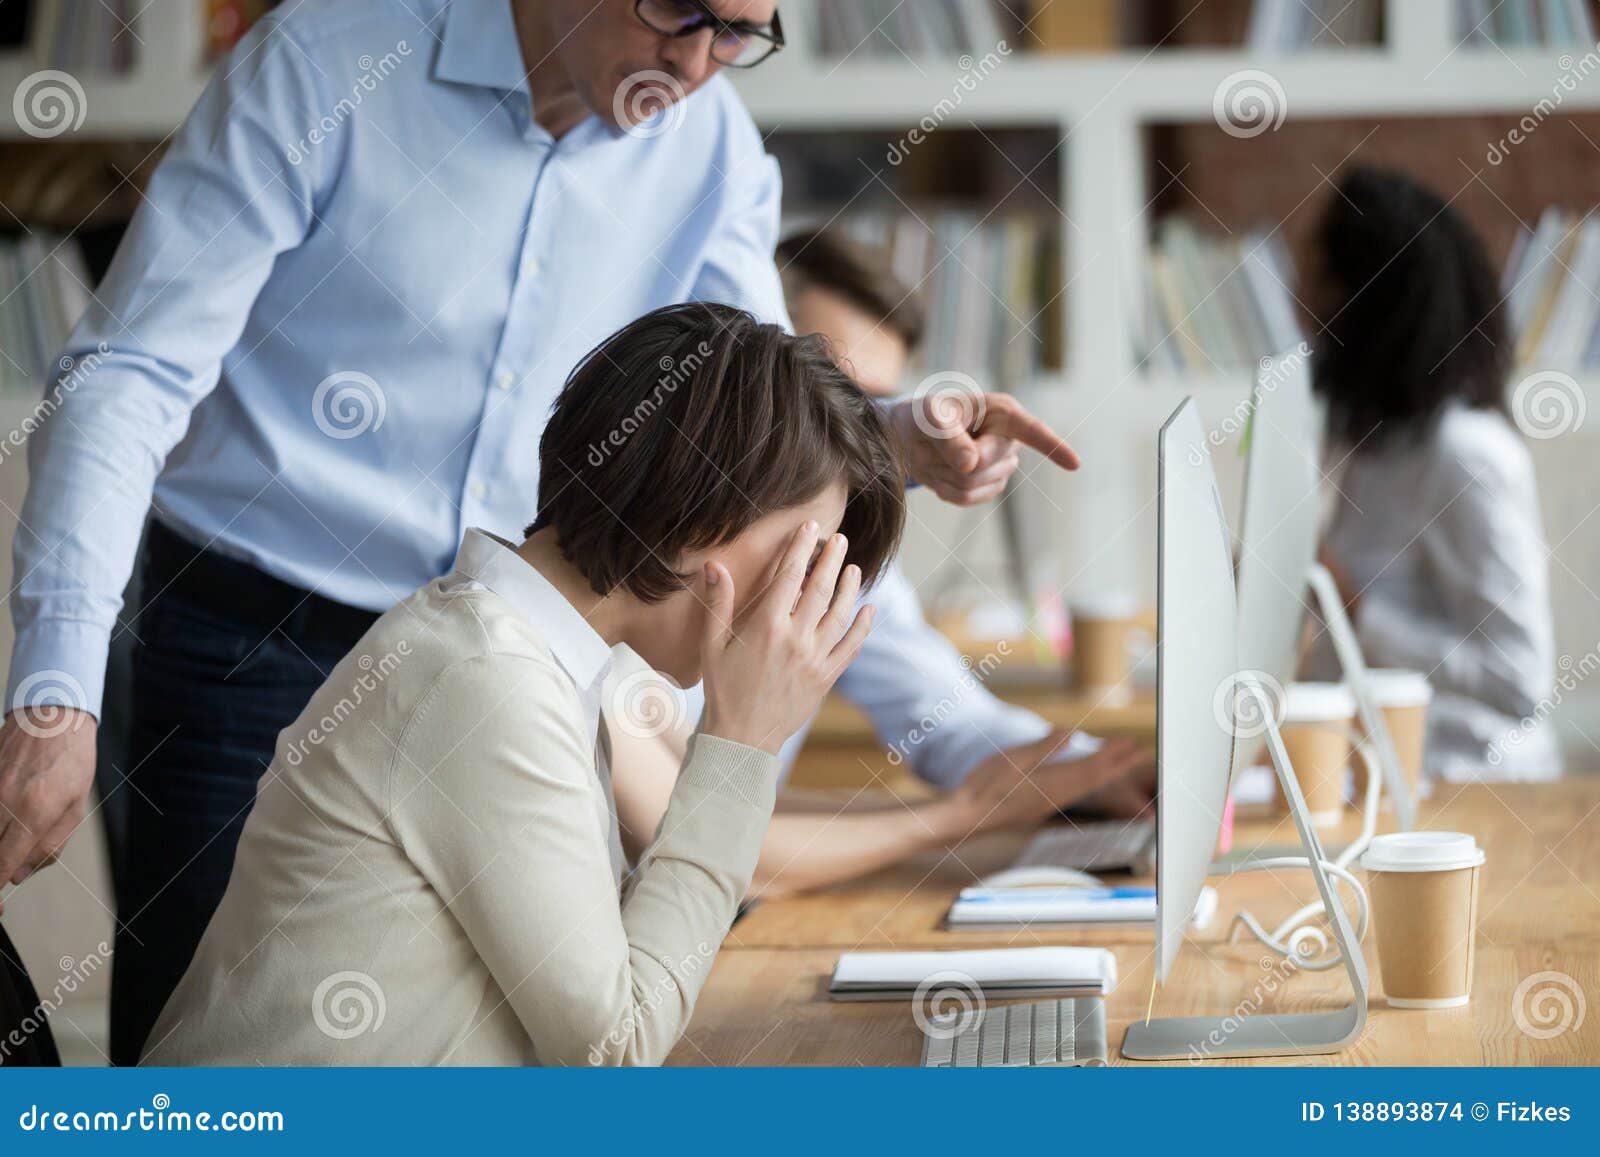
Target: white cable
{"x": 1293, "y": 934}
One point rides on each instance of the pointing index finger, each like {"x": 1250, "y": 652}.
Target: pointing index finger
{"x": 1007, "y": 417}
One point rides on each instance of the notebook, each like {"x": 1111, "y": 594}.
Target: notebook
{"x": 997, "y": 972}
{"x": 1033, "y": 905}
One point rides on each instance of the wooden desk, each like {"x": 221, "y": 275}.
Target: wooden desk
{"x": 841, "y": 750}
{"x": 766, "y": 1001}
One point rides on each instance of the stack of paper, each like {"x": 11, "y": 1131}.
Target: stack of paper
{"x": 996, "y": 972}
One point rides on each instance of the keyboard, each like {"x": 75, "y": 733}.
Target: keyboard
{"x": 1068, "y": 1031}
{"x": 1112, "y": 845}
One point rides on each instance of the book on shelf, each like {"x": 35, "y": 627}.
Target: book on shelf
{"x": 984, "y": 282}
{"x": 1551, "y": 289}
{"x": 1526, "y": 23}
{"x": 1215, "y": 303}
{"x": 1083, "y": 26}
{"x": 80, "y": 36}
{"x": 13, "y": 27}
{"x": 1279, "y": 25}
{"x": 44, "y": 289}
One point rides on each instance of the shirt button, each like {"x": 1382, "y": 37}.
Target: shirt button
{"x": 505, "y": 379}
{"x": 530, "y": 267}
{"x": 480, "y": 491}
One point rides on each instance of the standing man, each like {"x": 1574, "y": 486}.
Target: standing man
{"x": 328, "y": 345}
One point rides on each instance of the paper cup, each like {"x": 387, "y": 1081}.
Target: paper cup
{"x": 1316, "y": 734}
{"x": 1403, "y": 697}
{"x": 1424, "y": 891}
{"x": 1102, "y": 629}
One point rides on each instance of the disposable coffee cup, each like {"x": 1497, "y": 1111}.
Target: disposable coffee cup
{"x": 1317, "y": 718}
{"x": 1424, "y": 891}
{"x": 1103, "y": 627}
{"x": 1403, "y": 698}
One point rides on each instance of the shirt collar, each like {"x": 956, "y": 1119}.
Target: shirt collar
{"x": 480, "y": 46}
{"x": 488, "y": 559}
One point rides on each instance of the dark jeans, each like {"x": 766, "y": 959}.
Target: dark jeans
{"x": 227, "y": 658}
{"x": 25, "y": 1038}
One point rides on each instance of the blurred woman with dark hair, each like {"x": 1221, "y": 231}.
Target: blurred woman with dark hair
{"x": 1435, "y": 538}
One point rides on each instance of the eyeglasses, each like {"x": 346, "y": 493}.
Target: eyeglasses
{"x": 735, "y": 43}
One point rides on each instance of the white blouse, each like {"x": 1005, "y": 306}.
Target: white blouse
{"x": 1442, "y": 540}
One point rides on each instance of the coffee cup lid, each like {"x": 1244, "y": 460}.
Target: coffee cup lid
{"x": 1318, "y": 703}
{"x": 1112, "y": 604}
{"x": 1394, "y": 687}
{"x": 1422, "y": 852}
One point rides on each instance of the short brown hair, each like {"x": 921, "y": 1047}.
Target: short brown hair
{"x": 828, "y": 260}
{"x": 683, "y": 428}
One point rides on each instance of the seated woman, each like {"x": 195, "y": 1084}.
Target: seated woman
{"x": 432, "y": 873}
{"x": 1001, "y": 765}
{"x": 1435, "y": 538}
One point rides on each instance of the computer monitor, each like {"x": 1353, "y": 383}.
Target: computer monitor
{"x": 1278, "y": 569}
{"x": 1196, "y": 670}
{"x": 1278, "y": 523}
{"x": 1196, "y": 661}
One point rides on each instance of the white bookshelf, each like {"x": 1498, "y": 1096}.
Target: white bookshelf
{"x": 148, "y": 100}
{"x": 1101, "y": 104}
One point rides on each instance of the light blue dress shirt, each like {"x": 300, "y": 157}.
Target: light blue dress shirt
{"x": 332, "y": 335}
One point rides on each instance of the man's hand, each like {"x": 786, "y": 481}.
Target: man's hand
{"x": 1023, "y": 787}
{"x": 1131, "y": 797}
{"x": 47, "y": 756}
{"x": 962, "y": 444}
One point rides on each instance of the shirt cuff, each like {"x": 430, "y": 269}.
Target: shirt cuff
{"x": 731, "y": 770}
{"x": 59, "y": 663}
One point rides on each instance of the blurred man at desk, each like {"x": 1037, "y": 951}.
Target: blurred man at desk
{"x": 1001, "y": 765}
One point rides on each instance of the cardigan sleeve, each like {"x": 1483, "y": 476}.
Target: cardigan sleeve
{"x": 494, "y": 796}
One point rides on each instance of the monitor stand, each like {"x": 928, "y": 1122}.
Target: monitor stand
{"x": 1354, "y": 665}
{"x": 1193, "y": 1038}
